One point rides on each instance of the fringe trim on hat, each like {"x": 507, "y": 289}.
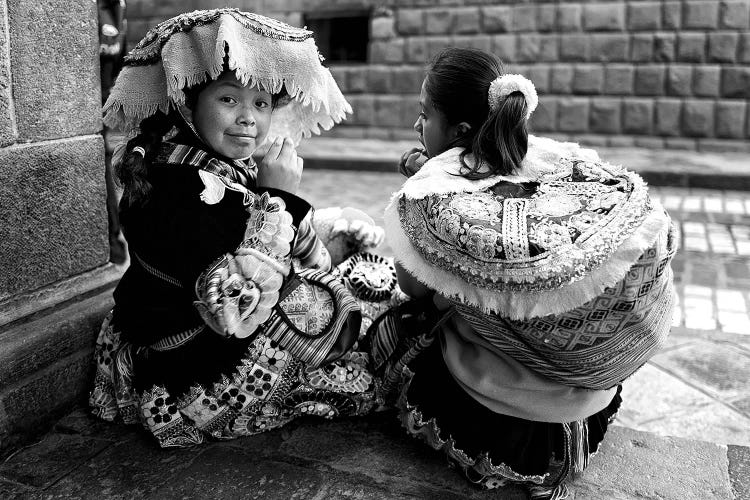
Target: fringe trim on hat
{"x": 189, "y": 58}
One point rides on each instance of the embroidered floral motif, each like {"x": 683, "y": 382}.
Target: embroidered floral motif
{"x": 270, "y": 224}
{"x": 549, "y": 235}
{"x": 481, "y": 241}
{"x": 260, "y": 382}
{"x": 202, "y": 408}
{"x": 158, "y": 409}
{"x": 554, "y": 205}
{"x": 595, "y": 171}
{"x": 273, "y": 357}
{"x": 265, "y": 391}
{"x": 584, "y": 220}
{"x": 482, "y": 206}
{"x": 238, "y": 293}
{"x": 370, "y": 277}
{"x": 347, "y": 374}
{"x": 559, "y": 216}
{"x": 606, "y": 201}
{"x": 319, "y": 409}
{"x": 449, "y": 225}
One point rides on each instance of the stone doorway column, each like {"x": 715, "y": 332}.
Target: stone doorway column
{"x": 55, "y": 282}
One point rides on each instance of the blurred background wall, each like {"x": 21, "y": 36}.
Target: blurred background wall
{"x": 649, "y": 73}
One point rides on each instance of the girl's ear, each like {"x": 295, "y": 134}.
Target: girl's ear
{"x": 462, "y": 129}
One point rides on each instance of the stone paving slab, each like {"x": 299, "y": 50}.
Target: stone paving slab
{"x": 655, "y": 400}
{"x": 362, "y": 458}
{"x": 739, "y": 471}
{"x": 722, "y": 370}
{"x": 647, "y": 466}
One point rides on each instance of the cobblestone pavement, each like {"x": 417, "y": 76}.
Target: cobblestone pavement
{"x": 698, "y": 386}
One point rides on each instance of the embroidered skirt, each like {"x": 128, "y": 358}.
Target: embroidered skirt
{"x": 489, "y": 448}
{"x": 262, "y": 388}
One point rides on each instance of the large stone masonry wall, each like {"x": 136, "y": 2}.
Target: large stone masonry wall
{"x": 652, "y": 73}
{"x": 53, "y": 223}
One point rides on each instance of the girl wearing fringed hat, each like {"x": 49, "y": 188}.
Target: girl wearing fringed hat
{"x": 540, "y": 281}
{"x": 226, "y": 323}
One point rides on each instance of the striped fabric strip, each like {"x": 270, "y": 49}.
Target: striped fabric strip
{"x": 237, "y": 171}
{"x": 396, "y": 367}
{"x": 384, "y": 338}
{"x": 313, "y": 351}
{"x": 308, "y": 248}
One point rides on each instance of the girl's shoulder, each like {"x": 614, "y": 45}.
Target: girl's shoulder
{"x": 531, "y": 233}
{"x": 179, "y": 167}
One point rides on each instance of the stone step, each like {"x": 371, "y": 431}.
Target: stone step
{"x": 659, "y": 167}
{"x": 366, "y": 458}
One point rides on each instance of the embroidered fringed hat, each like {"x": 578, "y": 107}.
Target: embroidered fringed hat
{"x": 191, "y": 48}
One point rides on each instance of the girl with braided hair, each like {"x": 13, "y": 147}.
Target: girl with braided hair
{"x": 540, "y": 281}
{"x": 226, "y": 323}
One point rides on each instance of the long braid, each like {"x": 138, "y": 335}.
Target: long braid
{"x": 133, "y": 169}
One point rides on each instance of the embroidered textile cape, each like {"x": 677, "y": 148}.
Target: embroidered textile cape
{"x": 564, "y": 266}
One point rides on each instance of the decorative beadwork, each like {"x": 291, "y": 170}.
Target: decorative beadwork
{"x": 348, "y": 374}
{"x": 574, "y": 222}
{"x": 515, "y": 238}
{"x": 369, "y": 276}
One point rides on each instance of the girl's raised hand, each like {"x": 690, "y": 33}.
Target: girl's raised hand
{"x": 411, "y": 161}
{"x": 279, "y": 166}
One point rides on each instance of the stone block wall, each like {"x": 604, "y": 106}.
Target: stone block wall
{"x": 53, "y": 221}
{"x": 656, "y": 73}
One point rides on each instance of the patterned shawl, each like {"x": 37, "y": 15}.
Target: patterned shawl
{"x": 564, "y": 266}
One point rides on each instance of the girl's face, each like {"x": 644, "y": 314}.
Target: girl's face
{"x": 232, "y": 119}
{"x": 434, "y": 132}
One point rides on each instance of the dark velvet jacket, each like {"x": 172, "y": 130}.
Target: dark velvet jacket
{"x": 172, "y": 238}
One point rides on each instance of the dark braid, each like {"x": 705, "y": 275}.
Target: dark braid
{"x": 133, "y": 169}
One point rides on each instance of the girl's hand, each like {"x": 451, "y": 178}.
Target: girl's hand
{"x": 279, "y": 166}
{"x": 411, "y": 161}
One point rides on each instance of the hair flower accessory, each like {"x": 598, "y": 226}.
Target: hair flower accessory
{"x": 504, "y": 85}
